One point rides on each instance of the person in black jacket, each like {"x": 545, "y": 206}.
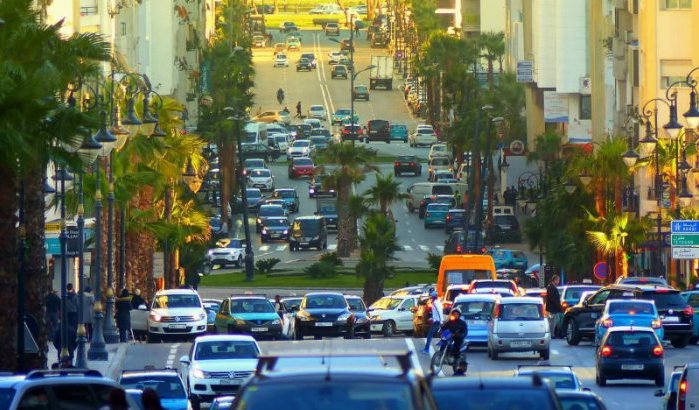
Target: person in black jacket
{"x": 458, "y": 329}
{"x": 136, "y": 299}
{"x": 553, "y": 305}
{"x": 123, "y": 315}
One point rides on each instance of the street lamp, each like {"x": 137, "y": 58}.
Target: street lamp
{"x": 62, "y": 176}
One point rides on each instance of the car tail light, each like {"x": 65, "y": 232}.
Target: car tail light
{"x": 658, "y": 351}
{"x": 564, "y": 305}
{"x": 605, "y": 351}
{"x": 395, "y": 164}
{"x": 459, "y": 249}
{"x": 412, "y": 164}
{"x": 449, "y": 218}
{"x": 689, "y": 311}
{"x": 682, "y": 395}
{"x": 607, "y": 323}
{"x": 656, "y": 324}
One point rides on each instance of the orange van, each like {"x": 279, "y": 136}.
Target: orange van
{"x": 462, "y": 269}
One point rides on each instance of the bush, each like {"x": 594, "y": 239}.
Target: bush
{"x": 331, "y": 257}
{"x": 321, "y": 270}
{"x": 266, "y": 265}
{"x": 434, "y": 260}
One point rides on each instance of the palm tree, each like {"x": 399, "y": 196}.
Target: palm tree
{"x": 493, "y": 48}
{"x": 384, "y": 192}
{"x": 352, "y": 164}
{"x": 378, "y": 245}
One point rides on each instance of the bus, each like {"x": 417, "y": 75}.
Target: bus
{"x": 255, "y": 133}
{"x": 462, "y": 269}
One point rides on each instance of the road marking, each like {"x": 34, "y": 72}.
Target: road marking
{"x": 171, "y": 355}
{"x": 413, "y": 355}
{"x": 440, "y": 247}
{"x": 554, "y": 352}
{"x": 332, "y": 246}
{"x": 407, "y": 248}
{"x": 281, "y": 247}
{"x": 264, "y": 248}
{"x": 424, "y": 248}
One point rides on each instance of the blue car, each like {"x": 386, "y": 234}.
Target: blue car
{"x": 509, "y": 258}
{"x": 436, "y": 215}
{"x": 628, "y": 312}
{"x": 289, "y": 196}
{"x": 692, "y": 298}
{"x": 399, "y": 132}
{"x": 477, "y": 311}
{"x": 456, "y": 219}
{"x": 166, "y": 382}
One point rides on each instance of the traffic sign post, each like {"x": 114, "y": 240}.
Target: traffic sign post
{"x": 685, "y": 239}
{"x": 687, "y": 226}
{"x": 601, "y": 270}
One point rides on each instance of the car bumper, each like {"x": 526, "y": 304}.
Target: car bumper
{"x": 425, "y": 141}
{"x": 434, "y": 222}
{"x": 257, "y": 331}
{"x": 677, "y": 331}
{"x": 177, "y": 329}
{"x": 621, "y": 368}
{"x": 218, "y": 259}
{"x": 273, "y": 236}
{"x": 267, "y": 186}
{"x": 310, "y": 329}
{"x": 477, "y": 338}
{"x": 524, "y": 344}
{"x": 406, "y": 169}
{"x": 208, "y": 389}
{"x": 304, "y": 244}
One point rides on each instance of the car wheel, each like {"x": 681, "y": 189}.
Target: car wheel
{"x": 693, "y": 340}
{"x": 389, "y": 328}
{"x": 680, "y": 343}
{"x": 572, "y": 333}
{"x": 153, "y": 338}
{"x": 545, "y": 354}
{"x": 600, "y": 379}
{"x": 494, "y": 354}
{"x": 239, "y": 262}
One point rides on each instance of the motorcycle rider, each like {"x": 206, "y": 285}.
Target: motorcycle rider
{"x": 458, "y": 329}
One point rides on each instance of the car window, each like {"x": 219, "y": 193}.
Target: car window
{"x": 518, "y": 255}
{"x": 303, "y": 161}
{"x": 301, "y": 143}
{"x": 356, "y": 304}
{"x": 693, "y": 300}
{"x": 408, "y": 303}
{"x": 664, "y": 300}
{"x": 599, "y": 298}
{"x": 36, "y": 398}
{"x": 306, "y": 225}
{"x": 167, "y": 387}
{"x": 286, "y": 194}
{"x": 271, "y": 210}
{"x": 631, "y": 308}
{"x": 520, "y": 311}
{"x": 576, "y": 292}
{"x": 475, "y": 309}
{"x": 631, "y": 338}
{"x": 277, "y": 222}
{"x": 176, "y": 301}
{"x": 386, "y": 303}
{"x": 324, "y": 302}
{"x": 439, "y": 161}
{"x": 224, "y": 307}
{"x": 442, "y": 190}
{"x": 74, "y": 397}
{"x": 260, "y": 173}
{"x": 225, "y": 349}
{"x": 489, "y": 399}
{"x": 251, "y": 306}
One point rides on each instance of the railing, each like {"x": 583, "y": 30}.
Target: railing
{"x": 88, "y": 11}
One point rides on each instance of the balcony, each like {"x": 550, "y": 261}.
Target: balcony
{"x": 89, "y": 13}
{"x": 471, "y": 23}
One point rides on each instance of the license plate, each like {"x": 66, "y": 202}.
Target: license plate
{"x": 521, "y": 343}
{"x": 275, "y": 235}
{"x": 178, "y": 326}
{"x": 259, "y": 185}
{"x": 324, "y": 324}
{"x": 304, "y": 243}
{"x": 671, "y": 319}
{"x": 259, "y": 329}
{"x": 226, "y": 381}
{"x": 631, "y": 367}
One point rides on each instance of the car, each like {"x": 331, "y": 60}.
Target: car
{"x": 523, "y": 279}
{"x": 289, "y": 196}
{"x": 176, "y": 313}
{"x": 339, "y": 71}
{"x": 435, "y": 215}
{"x": 211, "y": 306}
{"x": 435, "y": 199}
{"x": 304, "y": 64}
{"x": 280, "y": 140}
{"x": 255, "y": 199}
{"x": 308, "y": 232}
{"x": 323, "y": 314}
{"x": 444, "y": 176}
{"x": 227, "y": 252}
{"x": 318, "y": 143}
{"x": 378, "y": 130}
{"x": 439, "y": 150}
{"x": 293, "y": 43}
{"x": 519, "y": 325}
{"x": 579, "y": 400}
{"x": 300, "y": 167}
{"x": 407, "y": 163}
{"x": 437, "y": 164}
{"x": 222, "y": 403}
{"x": 327, "y": 208}
{"x": 342, "y": 115}
{"x": 571, "y": 294}
{"x": 477, "y": 311}
{"x": 261, "y": 151}
{"x": 628, "y": 312}
{"x": 463, "y": 241}
{"x": 424, "y": 135}
{"x": 692, "y": 299}
{"x": 456, "y": 219}
{"x": 274, "y": 228}
{"x": 509, "y": 258}
{"x": 322, "y": 133}
{"x": 253, "y": 163}
{"x": 360, "y": 92}
{"x": 288, "y": 26}
{"x": 688, "y": 398}
{"x": 268, "y": 211}
{"x": 490, "y": 284}
{"x": 351, "y": 132}
{"x": 299, "y": 131}
{"x": 399, "y": 132}
{"x": 280, "y": 60}
{"x": 259, "y": 41}
{"x": 166, "y": 382}
{"x": 248, "y": 314}
{"x": 334, "y": 57}
{"x": 316, "y": 187}
{"x": 312, "y": 58}
{"x": 505, "y": 228}
{"x": 392, "y": 314}
{"x": 669, "y": 396}
{"x": 419, "y": 289}
{"x": 277, "y": 202}
{"x": 362, "y": 322}
{"x": 563, "y": 378}
{"x": 317, "y": 112}
{"x": 332, "y": 29}
{"x": 630, "y": 352}
{"x": 314, "y": 123}
{"x": 218, "y": 364}
{"x": 641, "y": 280}
{"x": 279, "y": 48}
{"x": 491, "y": 393}
{"x": 299, "y": 149}
{"x": 63, "y": 389}
{"x": 346, "y": 44}
{"x": 261, "y": 178}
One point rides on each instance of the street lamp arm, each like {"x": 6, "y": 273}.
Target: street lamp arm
{"x": 646, "y": 112}
{"x": 690, "y": 81}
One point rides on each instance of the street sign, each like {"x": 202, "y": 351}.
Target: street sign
{"x": 601, "y": 270}
{"x": 685, "y": 239}
{"x": 685, "y": 253}
{"x": 684, "y": 226}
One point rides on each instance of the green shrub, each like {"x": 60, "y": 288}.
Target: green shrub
{"x": 433, "y": 261}
{"x": 266, "y": 266}
{"x": 321, "y": 270}
{"x": 331, "y": 257}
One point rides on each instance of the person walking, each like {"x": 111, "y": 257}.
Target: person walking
{"x": 278, "y": 305}
{"x": 436, "y": 320}
{"x": 52, "y": 302}
{"x": 123, "y": 315}
{"x": 136, "y": 299}
{"x": 553, "y": 306}
{"x": 88, "y": 310}
{"x": 71, "y": 341}
{"x": 71, "y": 306}
{"x": 298, "y": 110}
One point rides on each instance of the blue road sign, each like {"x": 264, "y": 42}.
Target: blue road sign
{"x": 684, "y": 226}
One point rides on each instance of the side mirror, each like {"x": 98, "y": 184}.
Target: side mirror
{"x": 588, "y": 389}
{"x": 143, "y": 307}
{"x": 413, "y": 309}
{"x": 184, "y": 360}
{"x": 401, "y": 309}
{"x": 659, "y": 393}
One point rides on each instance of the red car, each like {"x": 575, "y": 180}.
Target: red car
{"x": 301, "y": 167}
{"x": 352, "y": 132}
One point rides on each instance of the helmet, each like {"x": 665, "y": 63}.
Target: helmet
{"x": 433, "y": 294}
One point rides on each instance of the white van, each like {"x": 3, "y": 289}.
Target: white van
{"x": 438, "y": 164}
{"x": 417, "y": 191}
{"x": 255, "y": 133}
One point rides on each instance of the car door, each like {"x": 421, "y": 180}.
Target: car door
{"x": 221, "y": 321}
{"x": 593, "y": 310}
{"x": 404, "y": 314}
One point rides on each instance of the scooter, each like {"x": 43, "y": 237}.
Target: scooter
{"x": 444, "y": 354}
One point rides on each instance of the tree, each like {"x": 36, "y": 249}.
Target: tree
{"x": 378, "y": 245}
{"x": 384, "y": 192}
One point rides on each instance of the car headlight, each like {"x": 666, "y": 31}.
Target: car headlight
{"x": 343, "y": 317}
{"x": 377, "y": 317}
{"x": 264, "y": 231}
{"x": 315, "y": 238}
{"x": 303, "y": 317}
{"x": 259, "y": 220}
{"x": 200, "y": 374}
{"x": 277, "y": 322}
{"x": 155, "y": 317}
{"x": 286, "y": 231}
{"x": 210, "y": 252}
{"x": 201, "y": 316}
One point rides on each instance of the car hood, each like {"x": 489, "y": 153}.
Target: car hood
{"x": 260, "y": 179}
{"x": 257, "y": 316}
{"x": 226, "y": 365}
{"x": 227, "y": 250}
{"x": 177, "y": 311}
{"x": 298, "y": 149}
{"x": 175, "y": 404}
{"x": 277, "y": 228}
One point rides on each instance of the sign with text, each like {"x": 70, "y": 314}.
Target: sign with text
{"x": 525, "y": 71}
{"x": 555, "y": 107}
{"x": 684, "y": 226}
{"x": 686, "y": 239}
{"x": 685, "y": 253}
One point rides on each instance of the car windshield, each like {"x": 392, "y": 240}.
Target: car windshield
{"x": 386, "y": 303}
{"x": 176, "y": 301}
{"x": 558, "y": 379}
{"x": 277, "y": 222}
{"x": 465, "y": 276}
{"x": 576, "y": 292}
{"x": 475, "y": 309}
{"x": 360, "y": 89}
{"x": 285, "y": 194}
{"x": 491, "y": 284}
{"x": 665, "y": 299}
{"x": 631, "y": 308}
{"x": 256, "y": 305}
{"x": 309, "y": 226}
{"x": 235, "y": 244}
{"x": 279, "y": 138}
{"x": 489, "y": 399}
{"x": 317, "y": 108}
{"x": 6, "y": 396}
{"x": 437, "y": 208}
{"x": 315, "y": 140}
{"x": 338, "y": 395}
{"x": 343, "y": 112}
{"x": 356, "y": 304}
{"x": 303, "y": 161}
{"x": 439, "y": 148}
{"x": 301, "y": 143}
{"x": 442, "y": 190}
{"x": 260, "y": 173}
{"x": 225, "y": 349}
{"x": 630, "y": 338}
{"x": 457, "y": 213}
{"x": 327, "y": 209}
{"x": 644, "y": 281}
{"x": 579, "y": 403}
{"x": 407, "y": 158}
{"x": 425, "y": 131}
{"x": 253, "y": 193}
{"x": 324, "y": 302}
{"x": 505, "y": 220}
{"x": 289, "y": 302}
{"x": 167, "y": 387}
{"x": 440, "y": 161}
{"x": 254, "y": 163}
{"x": 520, "y": 311}
{"x": 271, "y": 210}
{"x": 399, "y": 127}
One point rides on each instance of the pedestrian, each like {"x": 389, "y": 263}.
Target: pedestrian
{"x": 123, "y": 315}
{"x": 88, "y": 310}
{"x": 136, "y": 299}
{"x": 356, "y": 30}
{"x": 71, "y": 341}
{"x": 553, "y": 306}
{"x": 457, "y": 199}
{"x": 298, "y": 109}
{"x": 117, "y": 400}
{"x": 436, "y": 320}
{"x": 278, "y": 305}
{"x": 71, "y": 305}
{"x": 52, "y": 302}
{"x": 151, "y": 400}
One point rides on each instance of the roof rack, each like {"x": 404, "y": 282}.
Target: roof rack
{"x": 247, "y": 295}
{"x": 519, "y": 366}
{"x": 266, "y": 363}
{"x": 149, "y": 368}
{"x": 38, "y": 374}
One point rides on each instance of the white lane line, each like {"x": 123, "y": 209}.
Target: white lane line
{"x": 171, "y": 355}
{"x": 413, "y": 355}
{"x": 264, "y": 248}
{"x": 424, "y": 248}
{"x": 440, "y": 247}
{"x": 281, "y": 247}
{"x": 407, "y": 248}
{"x": 332, "y": 246}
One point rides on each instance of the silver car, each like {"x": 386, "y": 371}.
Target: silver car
{"x": 519, "y": 325}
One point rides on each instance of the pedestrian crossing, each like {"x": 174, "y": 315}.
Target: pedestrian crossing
{"x": 333, "y": 246}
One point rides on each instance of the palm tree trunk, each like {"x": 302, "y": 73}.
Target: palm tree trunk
{"x": 8, "y": 265}
{"x": 227, "y": 176}
{"x": 140, "y": 248}
{"x": 373, "y": 288}
{"x": 346, "y": 226}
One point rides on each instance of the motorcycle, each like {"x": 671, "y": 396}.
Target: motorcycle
{"x": 444, "y": 354}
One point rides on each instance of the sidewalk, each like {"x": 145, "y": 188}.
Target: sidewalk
{"x": 108, "y": 368}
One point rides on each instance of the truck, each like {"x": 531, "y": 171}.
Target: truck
{"x": 327, "y": 208}
{"x": 382, "y": 73}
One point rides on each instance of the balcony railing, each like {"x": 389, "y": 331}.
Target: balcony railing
{"x": 88, "y": 11}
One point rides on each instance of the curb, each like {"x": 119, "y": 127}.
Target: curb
{"x": 115, "y": 361}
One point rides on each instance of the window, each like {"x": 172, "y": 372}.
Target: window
{"x": 694, "y": 300}
{"x": 74, "y": 397}
{"x": 674, "y": 71}
{"x": 34, "y": 399}
{"x": 585, "y": 107}
{"x": 678, "y": 4}
{"x": 599, "y": 298}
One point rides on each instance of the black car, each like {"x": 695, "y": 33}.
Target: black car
{"x": 380, "y": 41}
{"x": 254, "y": 197}
{"x": 295, "y": 131}
{"x": 304, "y": 64}
{"x": 321, "y": 132}
{"x": 505, "y": 228}
{"x": 317, "y": 188}
{"x": 494, "y": 393}
{"x": 362, "y": 323}
{"x": 435, "y": 199}
{"x": 339, "y": 71}
{"x": 274, "y": 228}
{"x": 268, "y": 211}
{"x": 583, "y": 399}
{"x": 288, "y": 26}
{"x": 360, "y": 92}
{"x": 345, "y": 61}
{"x": 311, "y": 58}
{"x": 261, "y": 151}
{"x": 407, "y": 163}
{"x": 675, "y": 313}
{"x": 462, "y": 242}
{"x": 346, "y": 44}
{"x": 630, "y": 353}
{"x": 378, "y": 130}
{"x": 323, "y": 314}
{"x": 456, "y": 219}
{"x": 308, "y": 232}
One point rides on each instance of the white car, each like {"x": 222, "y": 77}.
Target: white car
{"x": 439, "y": 150}
{"x": 317, "y": 112}
{"x": 176, "y": 312}
{"x": 519, "y": 325}
{"x": 392, "y": 314}
{"x": 227, "y": 252}
{"x": 424, "y": 135}
{"x": 313, "y": 122}
{"x": 218, "y": 364}
{"x": 281, "y": 140}
{"x": 334, "y": 57}
{"x": 299, "y": 148}
{"x": 280, "y": 60}
{"x": 261, "y": 178}
{"x": 284, "y": 117}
